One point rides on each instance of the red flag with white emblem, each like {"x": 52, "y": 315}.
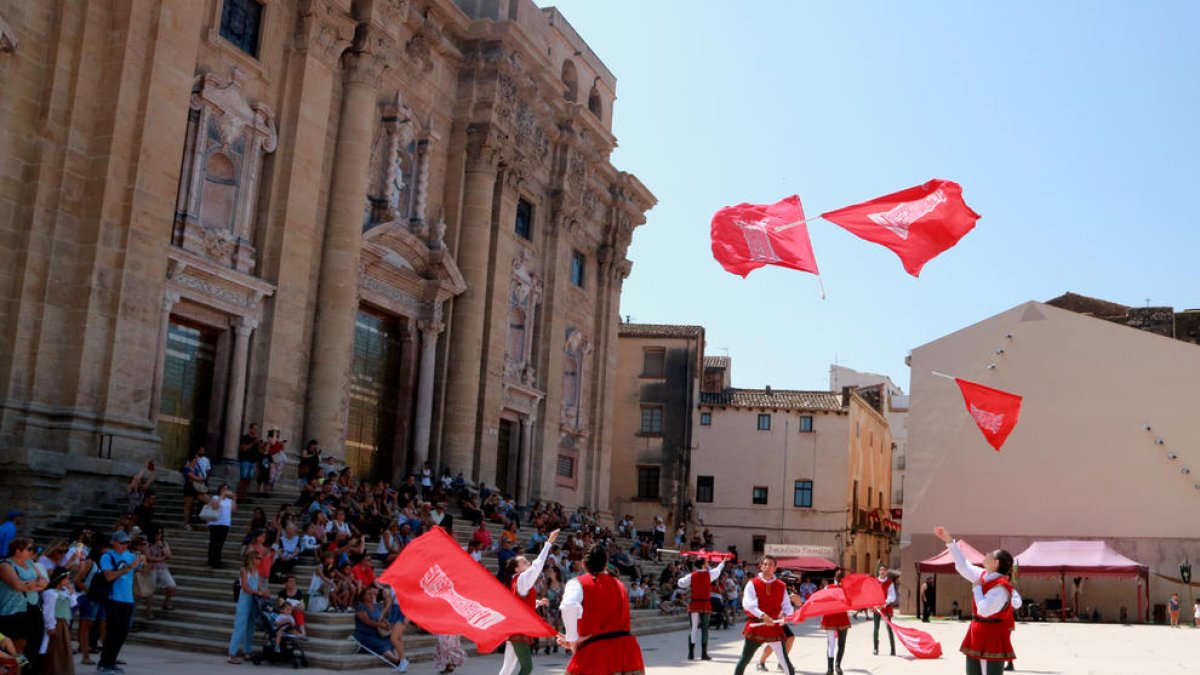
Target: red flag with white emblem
{"x": 747, "y": 236}
{"x": 445, "y": 591}
{"x": 994, "y": 411}
{"x": 917, "y": 224}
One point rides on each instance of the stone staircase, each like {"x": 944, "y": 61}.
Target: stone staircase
{"x": 204, "y": 609}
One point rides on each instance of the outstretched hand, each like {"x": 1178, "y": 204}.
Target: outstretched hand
{"x": 941, "y": 533}
{"x": 551, "y": 538}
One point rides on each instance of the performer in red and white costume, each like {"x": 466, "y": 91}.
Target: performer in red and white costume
{"x": 700, "y": 608}
{"x": 524, "y": 584}
{"x": 595, "y": 615}
{"x": 836, "y": 626}
{"x": 988, "y": 644}
{"x": 889, "y": 590}
{"x": 766, "y": 603}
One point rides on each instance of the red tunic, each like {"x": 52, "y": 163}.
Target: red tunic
{"x": 530, "y": 599}
{"x": 887, "y": 609}
{"x": 701, "y": 602}
{"x": 770, "y": 602}
{"x": 989, "y": 638}
{"x": 605, "y": 611}
{"x": 837, "y": 621}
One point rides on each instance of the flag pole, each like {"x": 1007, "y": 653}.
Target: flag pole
{"x": 948, "y": 377}
{"x": 821, "y": 285}
{"x": 788, "y": 226}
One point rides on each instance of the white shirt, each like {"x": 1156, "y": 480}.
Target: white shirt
{"x": 204, "y": 466}
{"x": 713, "y": 575}
{"x": 526, "y": 579}
{"x": 571, "y": 609}
{"x": 224, "y": 512}
{"x": 986, "y": 604}
{"x": 891, "y": 592}
{"x": 750, "y": 600}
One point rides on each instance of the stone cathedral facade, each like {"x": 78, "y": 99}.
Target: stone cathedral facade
{"x": 388, "y": 225}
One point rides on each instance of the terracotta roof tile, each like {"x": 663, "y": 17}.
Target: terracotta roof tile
{"x": 659, "y": 330}
{"x": 717, "y": 362}
{"x": 778, "y": 398}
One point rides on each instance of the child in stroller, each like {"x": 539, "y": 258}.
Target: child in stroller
{"x": 281, "y": 642}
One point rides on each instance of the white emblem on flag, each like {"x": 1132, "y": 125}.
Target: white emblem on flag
{"x": 436, "y": 584}
{"x": 901, "y": 217}
{"x": 757, "y": 239}
{"x": 987, "y": 420}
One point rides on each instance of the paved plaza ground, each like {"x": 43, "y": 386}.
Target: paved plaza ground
{"x": 1042, "y": 648}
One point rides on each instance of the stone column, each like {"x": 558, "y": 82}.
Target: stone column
{"x": 337, "y": 297}
{"x": 523, "y": 477}
{"x": 235, "y": 400}
{"x": 425, "y": 370}
{"x": 467, "y": 341}
{"x": 170, "y": 299}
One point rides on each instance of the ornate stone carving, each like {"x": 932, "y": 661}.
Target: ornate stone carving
{"x": 523, "y": 301}
{"x": 364, "y": 67}
{"x": 218, "y": 188}
{"x": 576, "y": 347}
{"x": 419, "y": 50}
{"x": 215, "y": 290}
{"x": 482, "y": 151}
{"x": 390, "y": 196}
{"x": 324, "y": 31}
{"x": 395, "y": 11}
{"x": 392, "y": 293}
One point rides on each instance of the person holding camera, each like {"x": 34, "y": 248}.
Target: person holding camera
{"x": 117, "y": 566}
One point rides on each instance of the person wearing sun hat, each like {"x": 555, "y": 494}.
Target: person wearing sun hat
{"x": 57, "y": 602}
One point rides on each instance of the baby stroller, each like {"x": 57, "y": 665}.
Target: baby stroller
{"x": 289, "y": 649}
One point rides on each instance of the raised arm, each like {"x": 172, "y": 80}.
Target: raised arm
{"x": 571, "y": 609}
{"x": 529, "y": 577}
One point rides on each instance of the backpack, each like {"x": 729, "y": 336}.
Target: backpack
{"x": 99, "y": 587}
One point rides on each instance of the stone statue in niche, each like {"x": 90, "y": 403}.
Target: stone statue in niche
{"x": 524, "y": 298}
{"x": 575, "y": 350}
{"x": 227, "y": 137}
{"x": 393, "y": 164}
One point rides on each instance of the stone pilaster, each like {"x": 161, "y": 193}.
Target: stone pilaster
{"x": 337, "y": 298}
{"x": 170, "y": 299}
{"x": 235, "y": 398}
{"x": 524, "y": 477}
{"x": 424, "y": 417}
{"x": 462, "y": 427}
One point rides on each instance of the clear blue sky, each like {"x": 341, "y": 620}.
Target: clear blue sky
{"x": 1073, "y": 127}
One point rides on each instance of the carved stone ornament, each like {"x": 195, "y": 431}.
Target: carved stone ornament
{"x": 324, "y": 31}
{"x": 576, "y": 348}
{"x": 524, "y": 299}
{"x": 227, "y": 137}
{"x": 365, "y": 67}
{"x": 393, "y": 164}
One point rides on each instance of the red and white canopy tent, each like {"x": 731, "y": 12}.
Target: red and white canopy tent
{"x": 943, "y": 563}
{"x": 1082, "y": 559}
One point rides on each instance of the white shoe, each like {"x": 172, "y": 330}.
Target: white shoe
{"x": 401, "y": 667}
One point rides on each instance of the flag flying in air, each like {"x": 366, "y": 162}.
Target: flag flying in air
{"x": 916, "y": 224}
{"x": 857, "y": 591}
{"x": 747, "y": 236}
{"x": 443, "y": 590}
{"x": 994, "y": 411}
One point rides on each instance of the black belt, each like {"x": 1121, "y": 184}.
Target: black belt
{"x": 986, "y": 619}
{"x": 601, "y": 637}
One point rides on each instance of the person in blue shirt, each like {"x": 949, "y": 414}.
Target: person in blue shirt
{"x": 8, "y": 531}
{"x": 117, "y": 566}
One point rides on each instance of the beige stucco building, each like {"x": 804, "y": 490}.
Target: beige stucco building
{"x": 1107, "y": 447}
{"x": 810, "y": 468}
{"x": 389, "y": 225}
{"x": 655, "y": 390}
{"x": 894, "y": 404}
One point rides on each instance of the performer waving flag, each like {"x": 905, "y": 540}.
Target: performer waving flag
{"x": 595, "y": 615}
{"x": 700, "y": 582}
{"x": 988, "y": 643}
{"x": 766, "y": 603}
{"x": 916, "y": 224}
{"x": 524, "y": 577}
